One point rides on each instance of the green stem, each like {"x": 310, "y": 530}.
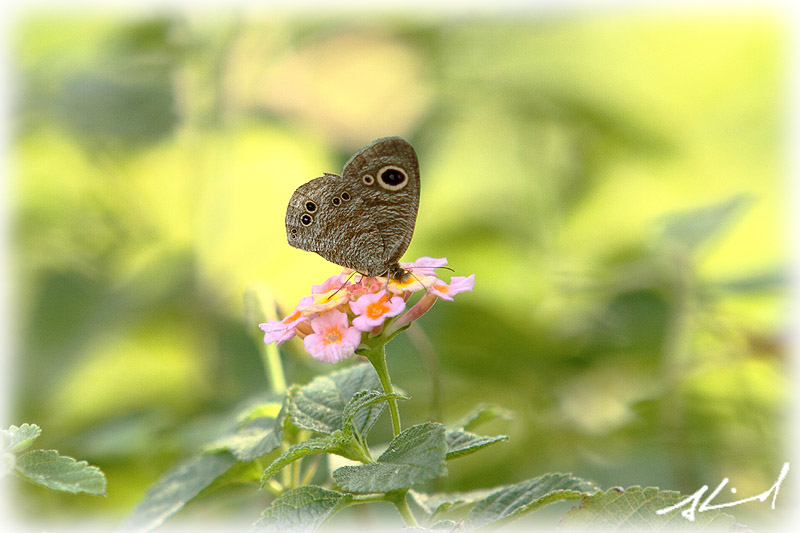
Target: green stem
{"x": 399, "y": 501}
{"x": 395, "y": 497}
{"x": 259, "y": 306}
{"x": 274, "y": 366}
{"x": 378, "y": 359}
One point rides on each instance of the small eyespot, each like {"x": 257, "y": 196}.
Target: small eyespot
{"x": 392, "y": 178}
{"x": 306, "y": 220}
{"x": 345, "y": 196}
{"x": 294, "y": 232}
{"x": 367, "y": 179}
{"x": 311, "y": 206}
{"x": 336, "y": 200}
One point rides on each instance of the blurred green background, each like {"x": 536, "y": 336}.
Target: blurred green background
{"x": 617, "y": 182}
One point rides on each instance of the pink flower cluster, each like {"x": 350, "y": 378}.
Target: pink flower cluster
{"x": 333, "y": 319}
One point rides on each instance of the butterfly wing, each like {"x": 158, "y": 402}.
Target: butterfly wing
{"x": 364, "y": 219}
{"x": 386, "y": 177}
{"x": 325, "y": 217}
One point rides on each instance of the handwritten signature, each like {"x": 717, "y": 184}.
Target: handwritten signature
{"x": 698, "y": 507}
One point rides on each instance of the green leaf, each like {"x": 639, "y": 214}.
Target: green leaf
{"x": 635, "y": 508}
{"x": 696, "y": 226}
{"x": 513, "y": 501}
{"x": 461, "y": 442}
{"x": 303, "y": 509}
{"x": 176, "y": 488}
{"x": 318, "y": 406}
{"x": 326, "y": 444}
{"x": 254, "y": 440}
{"x": 415, "y": 455}
{"x": 363, "y": 410}
{"x": 58, "y": 472}
{"x": 481, "y": 414}
{"x": 16, "y": 439}
{"x": 258, "y": 437}
{"x": 263, "y": 409}
{"x": 433, "y": 504}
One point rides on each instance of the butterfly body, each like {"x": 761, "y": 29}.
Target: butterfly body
{"x": 363, "y": 219}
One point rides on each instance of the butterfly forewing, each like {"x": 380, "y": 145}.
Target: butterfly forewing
{"x": 364, "y": 219}
{"x": 333, "y": 232}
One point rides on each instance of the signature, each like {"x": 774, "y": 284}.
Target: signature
{"x": 698, "y": 507}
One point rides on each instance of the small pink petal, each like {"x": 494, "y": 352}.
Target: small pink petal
{"x": 275, "y": 331}
{"x": 283, "y": 330}
{"x": 425, "y": 265}
{"x": 373, "y": 309}
{"x": 332, "y": 283}
{"x": 325, "y": 301}
{"x": 333, "y": 339}
{"x": 457, "y": 285}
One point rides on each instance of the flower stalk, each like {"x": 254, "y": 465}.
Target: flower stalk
{"x": 398, "y": 498}
{"x": 259, "y": 305}
{"x": 377, "y": 357}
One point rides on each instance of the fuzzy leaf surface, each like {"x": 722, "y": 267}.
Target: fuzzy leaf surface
{"x": 176, "y": 488}
{"x": 17, "y": 439}
{"x": 439, "y": 502}
{"x": 635, "y": 509}
{"x": 257, "y": 437}
{"x": 363, "y": 410}
{"x": 318, "y": 406}
{"x": 513, "y": 501}
{"x": 460, "y": 442}
{"x": 324, "y": 444}
{"x": 58, "y": 472}
{"x": 415, "y": 455}
{"x": 303, "y": 509}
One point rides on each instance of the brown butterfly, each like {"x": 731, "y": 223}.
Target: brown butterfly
{"x": 363, "y": 219}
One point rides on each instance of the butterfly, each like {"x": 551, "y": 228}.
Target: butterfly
{"x": 363, "y": 219}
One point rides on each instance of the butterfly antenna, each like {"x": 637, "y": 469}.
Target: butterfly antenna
{"x": 418, "y": 280}
{"x": 343, "y": 285}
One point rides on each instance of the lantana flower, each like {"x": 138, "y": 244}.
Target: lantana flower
{"x": 281, "y": 331}
{"x": 457, "y": 284}
{"x": 333, "y": 338}
{"x": 374, "y": 308}
{"x": 349, "y": 309}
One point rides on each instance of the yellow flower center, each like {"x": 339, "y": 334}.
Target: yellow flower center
{"x": 377, "y": 309}
{"x": 288, "y": 319}
{"x": 333, "y": 336}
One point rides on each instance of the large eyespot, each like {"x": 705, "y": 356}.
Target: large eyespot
{"x": 306, "y": 220}
{"x": 367, "y": 179}
{"x": 392, "y": 178}
{"x": 336, "y": 201}
{"x": 311, "y": 206}
{"x": 345, "y": 196}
